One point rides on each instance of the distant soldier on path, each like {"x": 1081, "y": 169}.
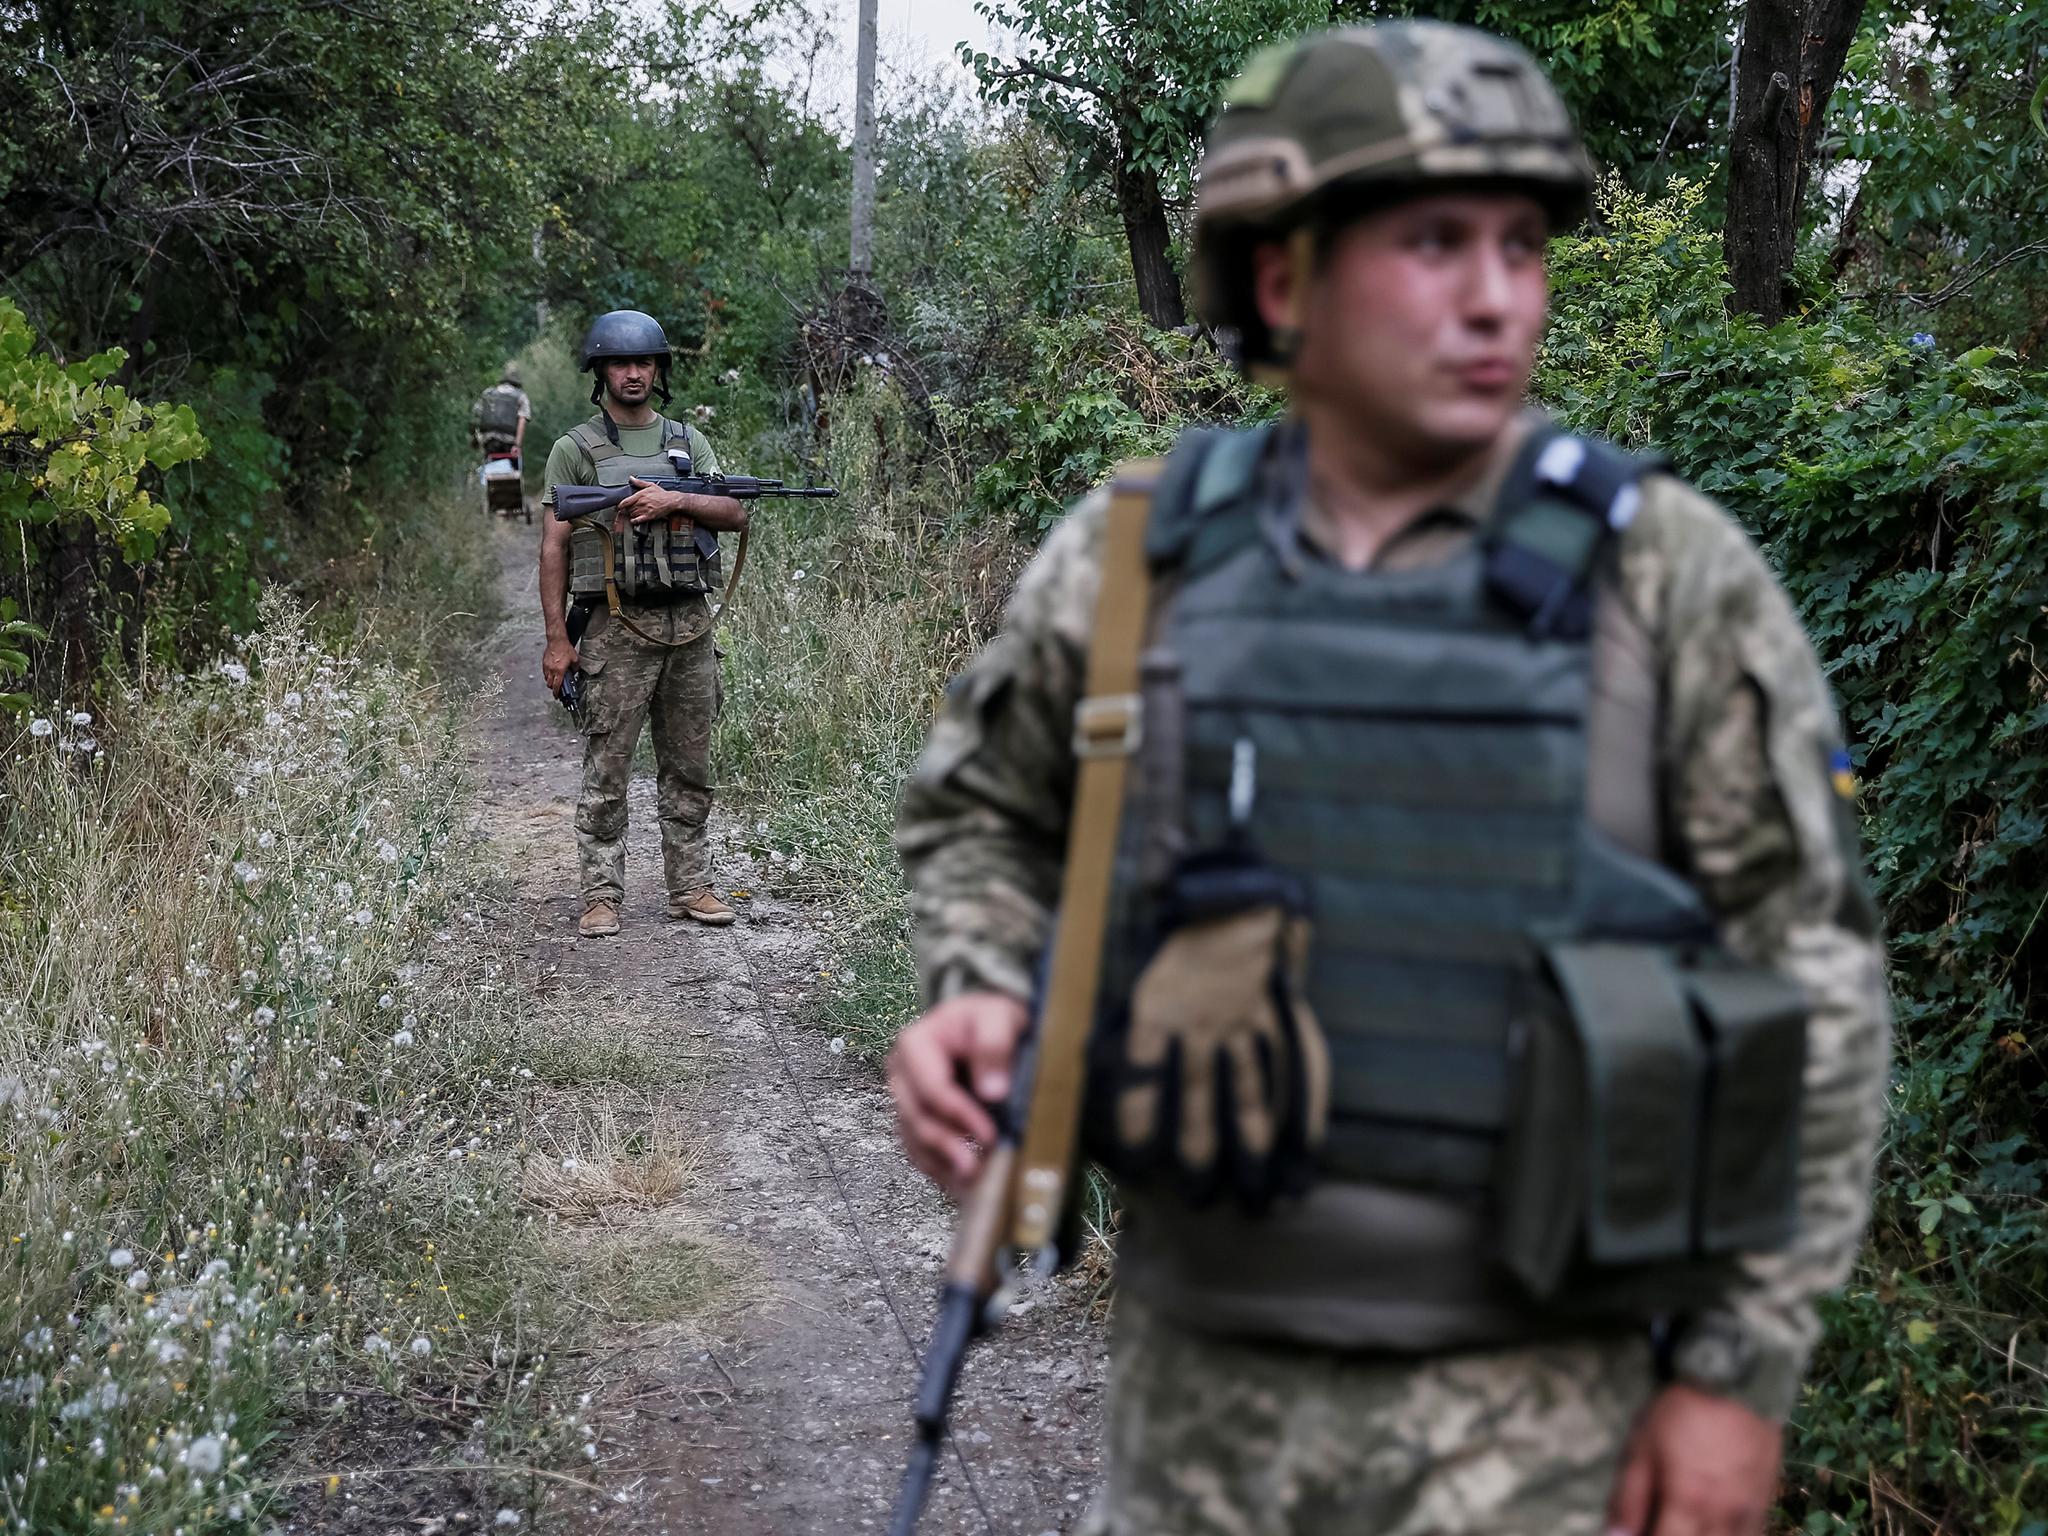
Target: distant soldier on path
{"x": 497, "y": 422}
{"x": 1491, "y": 1037}
{"x": 645, "y": 576}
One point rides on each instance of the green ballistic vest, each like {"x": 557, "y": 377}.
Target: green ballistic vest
{"x": 653, "y": 562}
{"x": 1420, "y": 742}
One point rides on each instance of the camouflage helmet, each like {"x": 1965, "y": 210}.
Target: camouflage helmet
{"x": 624, "y": 333}
{"x": 510, "y": 372}
{"x": 1344, "y": 119}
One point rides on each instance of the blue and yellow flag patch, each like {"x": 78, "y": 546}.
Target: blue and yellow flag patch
{"x": 1843, "y": 772}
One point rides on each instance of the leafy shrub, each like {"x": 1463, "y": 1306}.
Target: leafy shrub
{"x": 1901, "y": 495}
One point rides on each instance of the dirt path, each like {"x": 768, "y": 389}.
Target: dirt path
{"x": 782, "y": 1407}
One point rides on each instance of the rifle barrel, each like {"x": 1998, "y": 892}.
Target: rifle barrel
{"x": 916, "y": 1486}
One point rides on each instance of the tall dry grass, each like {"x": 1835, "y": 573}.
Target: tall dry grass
{"x": 853, "y": 616}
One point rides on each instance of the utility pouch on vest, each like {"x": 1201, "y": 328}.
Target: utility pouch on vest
{"x": 1217, "y": 1076}
{"x": 1653, "y": 1123}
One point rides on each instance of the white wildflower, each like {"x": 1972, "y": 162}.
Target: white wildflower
{"x": 797, "y": 574}
{"x": 265, "y": 839}
{"x": 387, "y": 850}
{"x": 386, "y": 1000}
{"x": 246, "y": 872}
{"x": 360, "y": 917}
{"x": 234, "y": 672}
{"x": 80, "y": 717}
{"x": 421, "y": 1347}
{"x": 138, "y": 1279}
{"x": 121, "y": 1258}
{"x": 205, "y": 1455}
{"x": 343, "y": 891}
{"x": 376, "y": 1344}
{"x": 507, "y": 1518}
{"x": 402, "y": 1039}
{"x": 292, "y": 700}
{"x": 40, "y": 728}
{"x": 839, "y": 1045}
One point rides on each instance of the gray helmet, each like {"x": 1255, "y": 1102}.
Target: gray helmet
{"x": 624, "y": 333}
{"x": 1339, "y": 120}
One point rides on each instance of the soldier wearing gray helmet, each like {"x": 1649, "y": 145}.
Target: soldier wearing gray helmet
{"x": 647, "y": 656}
{"x": 1491, "y": 1034}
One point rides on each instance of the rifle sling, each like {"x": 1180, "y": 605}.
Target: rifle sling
{"x": 1107, "y": 729}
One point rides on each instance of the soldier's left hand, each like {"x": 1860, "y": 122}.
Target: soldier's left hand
{"x": 1698, "y": 1465}
{"x": 650, "y": 503}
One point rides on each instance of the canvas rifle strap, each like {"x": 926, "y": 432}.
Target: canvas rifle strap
{"x": 1108, "y": 726}
{"x": 739, "y": 563}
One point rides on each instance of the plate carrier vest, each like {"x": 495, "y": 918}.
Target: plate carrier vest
{"x": 652, "y": 564}
{"x": 1420, "y": 740}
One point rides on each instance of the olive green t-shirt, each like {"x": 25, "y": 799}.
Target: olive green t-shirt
{"x": 567, "y": 464}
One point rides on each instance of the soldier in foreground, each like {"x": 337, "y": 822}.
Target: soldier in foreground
{"x": 647, "y": 656}
{"x": 1491, "y": 1032}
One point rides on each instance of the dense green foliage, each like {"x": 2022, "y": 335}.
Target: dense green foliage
{"x": 1901, "y": 492}
{"x": 329, "y": 316}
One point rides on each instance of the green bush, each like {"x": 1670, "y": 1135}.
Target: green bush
{"x": 1901, "y": 495}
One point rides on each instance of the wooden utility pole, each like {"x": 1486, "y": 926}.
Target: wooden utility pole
{"x": 860, "y": 263}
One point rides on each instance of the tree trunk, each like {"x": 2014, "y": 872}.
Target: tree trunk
{"x": 78, "y": 599}
{"x": 1790, "y": 57}
{"x": 1145, "y": 228}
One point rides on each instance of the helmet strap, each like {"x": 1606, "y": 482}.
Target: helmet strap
{"x": 611, "y": 428}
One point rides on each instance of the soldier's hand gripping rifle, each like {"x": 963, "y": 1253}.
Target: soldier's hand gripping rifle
{"x": 579, "y": 501}
{"x": 1018, "y": 1201}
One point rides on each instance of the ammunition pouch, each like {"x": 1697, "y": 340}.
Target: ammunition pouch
{"x": 1653, "y": 1122}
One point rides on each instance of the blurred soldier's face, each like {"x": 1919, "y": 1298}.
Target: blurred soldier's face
{"x": 630, "y": 380}
{"x": 1420, "y": 323}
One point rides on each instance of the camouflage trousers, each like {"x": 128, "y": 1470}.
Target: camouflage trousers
{"x": 674, "y": 691}
{"x": 1221, "y": 1437}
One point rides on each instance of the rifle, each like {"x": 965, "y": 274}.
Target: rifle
{"x": 577, "y": 503}
{"x": 573, "y": 502}
{"x": 973, "y": 1295}
{"x": 1019, "y": 1204}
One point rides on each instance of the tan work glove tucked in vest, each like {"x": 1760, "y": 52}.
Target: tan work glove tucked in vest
{"x": 1220, "y": 1077}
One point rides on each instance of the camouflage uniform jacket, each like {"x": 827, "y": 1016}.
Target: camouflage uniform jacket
{"x": 1746, "y": 782}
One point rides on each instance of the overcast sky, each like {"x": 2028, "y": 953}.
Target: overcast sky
{"x": 915, "y": 34}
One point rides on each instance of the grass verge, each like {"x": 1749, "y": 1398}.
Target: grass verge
{"x": 263, "y": 1107}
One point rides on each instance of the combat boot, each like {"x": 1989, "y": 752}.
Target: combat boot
{"x": 702, "y": 906}
{"x": 600, "y": 921}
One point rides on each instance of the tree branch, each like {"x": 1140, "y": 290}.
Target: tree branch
{"x": 1024, "y": 70}
{"x": 1961, "y": 283}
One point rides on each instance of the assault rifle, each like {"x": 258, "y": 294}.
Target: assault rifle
{"x": 579, "y": 501}
{"x": 980, "y": 1270}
